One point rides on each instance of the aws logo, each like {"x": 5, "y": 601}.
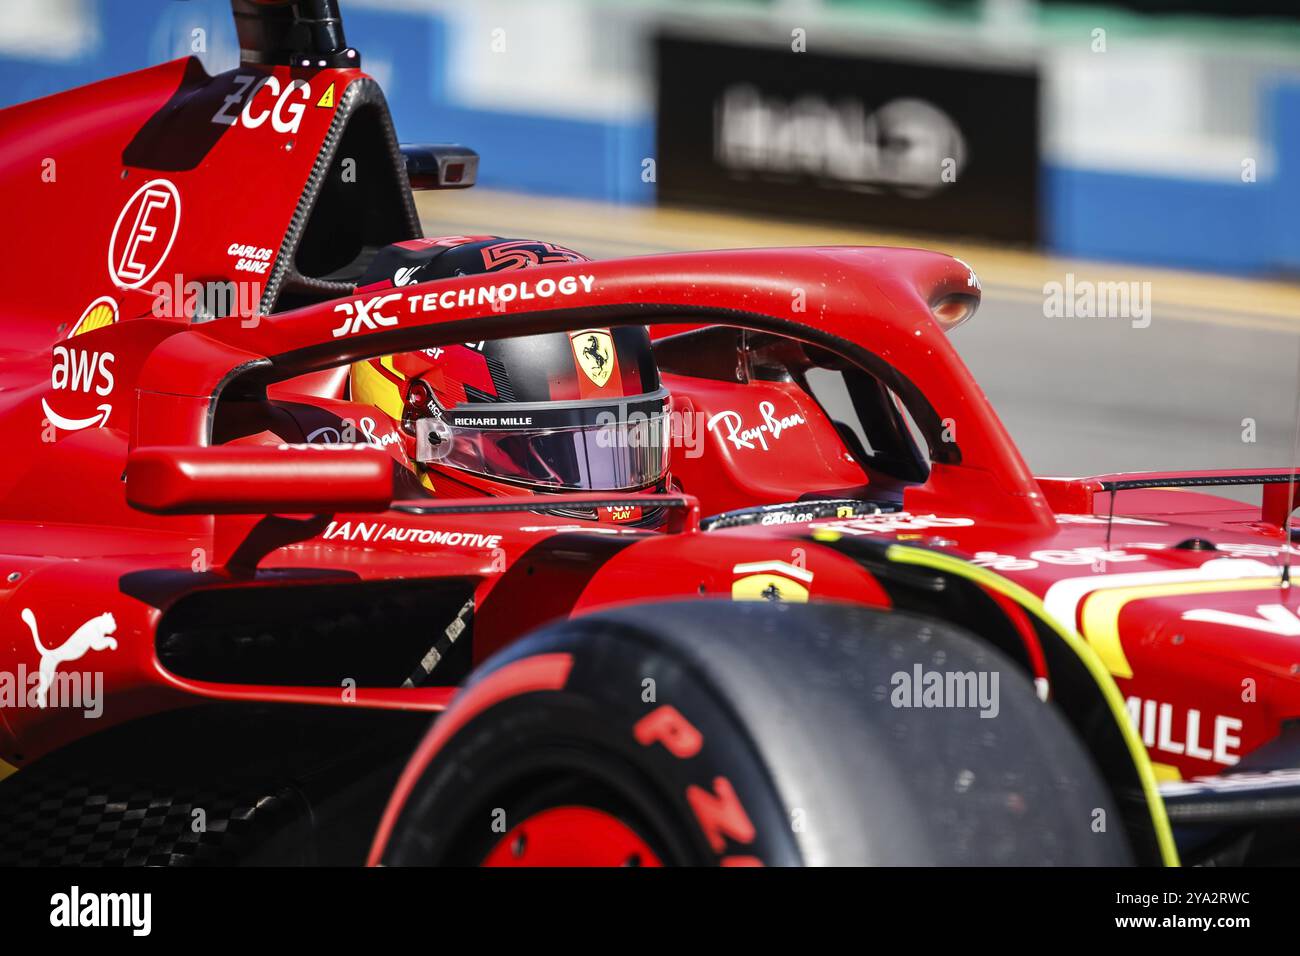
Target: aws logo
{"x": 80, "y": 370}
{"x": 83, "y": 371}
{"x": 771, "y": 581}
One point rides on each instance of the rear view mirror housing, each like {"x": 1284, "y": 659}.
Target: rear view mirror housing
{"x": 440, "y": 167}
{"x": 252, "y": 480}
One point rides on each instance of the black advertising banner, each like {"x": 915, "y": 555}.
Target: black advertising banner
{"x": 906, "y": 145}
{"x": 332, "y": 906}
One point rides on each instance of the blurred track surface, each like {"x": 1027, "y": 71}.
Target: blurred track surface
{"x": 1080, "y": 396}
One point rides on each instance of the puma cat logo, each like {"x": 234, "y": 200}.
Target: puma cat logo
{"x": 94, "y": 635}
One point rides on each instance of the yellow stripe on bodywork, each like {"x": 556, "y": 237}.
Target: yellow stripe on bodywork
{"x": 1101, "y": 610}
{"x": 370, "y": 387}
{"x": 1091, "y": 660}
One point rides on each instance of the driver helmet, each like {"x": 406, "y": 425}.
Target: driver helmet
{"x": 538, "y": 415}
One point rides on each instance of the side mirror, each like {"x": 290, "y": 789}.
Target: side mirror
{"x": 254, "y": 480}
{"x": 440, "y": 167}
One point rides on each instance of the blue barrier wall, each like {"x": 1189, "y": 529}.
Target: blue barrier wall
{"x": 1247, "y": 228}
{"x": 1162, "y": 221}
{"x": 1243, "y": 227}
{"x": 555, "y": 155}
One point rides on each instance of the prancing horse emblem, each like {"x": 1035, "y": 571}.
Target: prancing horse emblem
{"x": 594, "y": 351}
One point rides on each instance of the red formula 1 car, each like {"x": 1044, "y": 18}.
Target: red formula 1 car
{"x": 324, "y": 542}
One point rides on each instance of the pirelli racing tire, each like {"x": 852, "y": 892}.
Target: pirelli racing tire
{"x": 711, "y": 732}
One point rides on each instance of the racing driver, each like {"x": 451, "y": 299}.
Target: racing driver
{"x": 539, "y": 415}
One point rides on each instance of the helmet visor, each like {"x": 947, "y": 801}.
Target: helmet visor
{"x": 578, "y": 446}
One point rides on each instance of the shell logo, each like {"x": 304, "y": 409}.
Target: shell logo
{"x": 100, "y": 313}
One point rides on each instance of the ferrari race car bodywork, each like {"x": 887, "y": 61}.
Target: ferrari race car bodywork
{"x": 172, "y": 520}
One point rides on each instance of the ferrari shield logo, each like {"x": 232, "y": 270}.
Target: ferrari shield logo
{"x": 771, "y": 581}
{"x": 594, "y": 351}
